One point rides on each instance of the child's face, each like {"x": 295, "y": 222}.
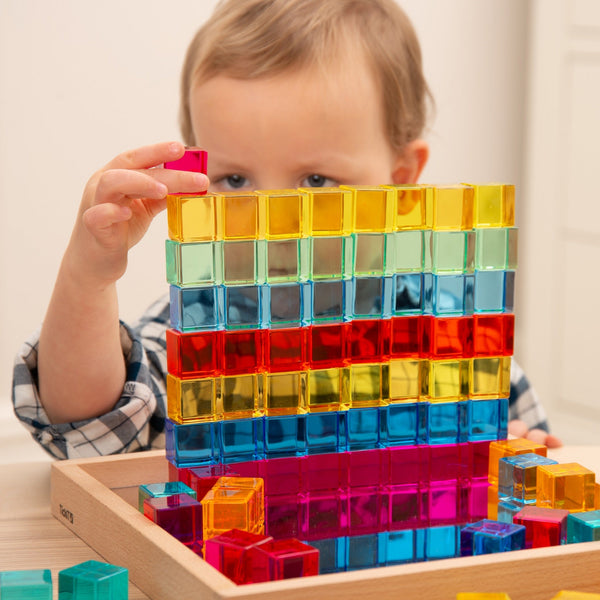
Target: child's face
{"x": 309, "y": 127}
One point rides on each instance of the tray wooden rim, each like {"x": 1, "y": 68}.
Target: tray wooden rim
{"x": 82, "y": 498}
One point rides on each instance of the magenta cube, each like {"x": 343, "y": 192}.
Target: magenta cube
{"x": 193, "y": 159}
{"x": 326, "y": 515}
{"x": 368, "y": 467}
{"x": 250, "y": 468}
{"x": 201, "y": 485}
{"x": 202, "y": 479}
{"x": 180, "y": 515}
{"x": 478, "y": 499}
{"x": 283, "y": 559}
{"x": 325, "y": 472}
{"x": 368, "y": 510}
{"x": 179, "y": 474}
{"x": 408, "y": 465}
{"x": 448, "y": 462}
{"x": 480, "y": 458}
{"x": 285, "y": 516}
{"x": 229, "y": 553}
{"x": 282, "y": 476}
{"x": 407, "y": 507}
{"x": 444, "y": 504}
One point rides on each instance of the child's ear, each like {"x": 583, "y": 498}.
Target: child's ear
{"x": 410, "y": 162}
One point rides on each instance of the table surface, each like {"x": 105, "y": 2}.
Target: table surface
{"x": 31, "y": 538}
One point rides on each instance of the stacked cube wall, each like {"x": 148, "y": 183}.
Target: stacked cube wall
{"x": 339, "y": 320}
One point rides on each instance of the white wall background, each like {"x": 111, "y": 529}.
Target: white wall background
{"x": 81, "y": 81}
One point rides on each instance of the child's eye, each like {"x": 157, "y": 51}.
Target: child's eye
{"x": 230, "y": 183}
{"x": 316, "y": 180}
{"x": 235, "y": 181}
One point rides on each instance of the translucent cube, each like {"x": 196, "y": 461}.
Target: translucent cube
{"x": 192, "y": 218}
{"x": 567, "y": 486}
{"x": 283, "y": 213}
{"x": 33, "y": 584}
{"x": 93, "y": 580}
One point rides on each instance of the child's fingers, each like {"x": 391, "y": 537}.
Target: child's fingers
{"x": 147, "y": 157}
{"x": 553, "y": 442}
{"x": 181, "y": 182}
{"x": 539, "y": 436}
{"x": 517, "y": 428}
{"x": 116, "y": 185}
{"x": 101, "y": 219}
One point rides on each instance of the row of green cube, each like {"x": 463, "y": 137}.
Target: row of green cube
{"x": 343, "y": 257}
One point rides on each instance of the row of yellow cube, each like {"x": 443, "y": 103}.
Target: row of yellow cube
{"x": 303, "y": 212}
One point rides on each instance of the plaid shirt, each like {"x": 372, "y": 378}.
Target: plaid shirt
{"x": 137, "y": 421}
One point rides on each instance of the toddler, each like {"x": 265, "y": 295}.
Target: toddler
{"x": 282, "y": 94}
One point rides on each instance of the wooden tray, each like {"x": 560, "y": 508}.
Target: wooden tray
{"x": 97, "y": 499}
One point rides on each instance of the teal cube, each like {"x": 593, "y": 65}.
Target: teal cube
{"x": 330, "y": 257}
{"x": 583, "y": 527}
{"x": 162, "y": 490}
{"x": 93, "y": 580}
{"x": 26, "y": 585}
{"x": 452, "y": 251}
{"x": 240, "y": 262}
{"x": 370, "y": 254}
{"x": 407, "y": 254}
{"x": 193, "y": 264}
{"x": 491, "y": 248}
{"x": 512, "y": 248}
{"x": 284, "y": 261}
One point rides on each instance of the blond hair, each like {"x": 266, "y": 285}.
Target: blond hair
{"x": 249, "y": 39}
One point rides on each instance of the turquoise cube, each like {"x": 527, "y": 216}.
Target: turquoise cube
{"x": 26, "y": 585}
{"x": 162, "y": 490}
{"x": 398, "y": 547}
{"x": 491, "y": 248}
{"x": 193, "y": 264}
{"x": 240, "y": 262}
{"x": 407, "y": 252}
{"x": 362, "y": 552}
{"x": 517, "y": 476}
{"x": 442, "y": 542}
{"x": 369, "y": 256}
{"x": 330, "y": 257}
{"x": 93, "y": 580}
{"x": 583, "y": 527}
{"x": 452, "y": 252}
{"x": 513, "y": 236}
{"x": 283, "y": 260}
{"x": 490, "y": 292}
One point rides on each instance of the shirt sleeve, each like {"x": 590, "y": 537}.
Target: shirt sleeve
{"x": 524, "y": 403}
{"x": 137, "y": 420}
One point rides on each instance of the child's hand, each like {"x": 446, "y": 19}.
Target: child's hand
{"x": 519, "y": 429}
{"x": 118, "y": 205}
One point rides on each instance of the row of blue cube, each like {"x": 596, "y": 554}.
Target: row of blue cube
{"x": 240, "y": 440}
{"x": 417, "y": 545}
{"x": 302, "y": 304}
{"x": 387, "y": 548}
